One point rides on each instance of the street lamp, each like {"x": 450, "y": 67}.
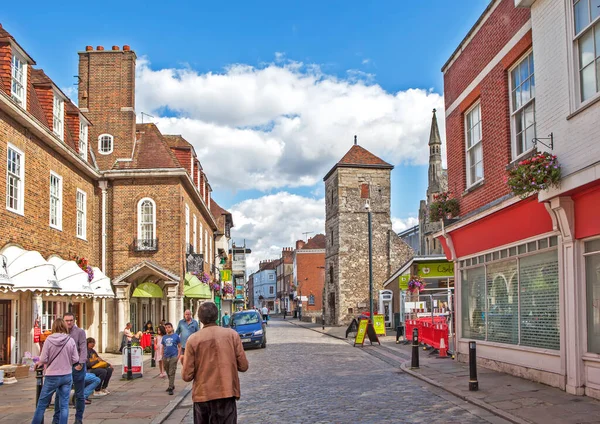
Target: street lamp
{"x": 368, "y": 208}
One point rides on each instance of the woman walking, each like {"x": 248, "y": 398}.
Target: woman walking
{"x": 58, "y": 356}
{"x": 158, "y": 349}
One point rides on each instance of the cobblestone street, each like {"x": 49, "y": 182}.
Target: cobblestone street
{"x": 304, "y": 376}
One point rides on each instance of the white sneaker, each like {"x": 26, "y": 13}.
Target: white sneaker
{"x": 100, "y": 393}
{"x": 106, "y": 392}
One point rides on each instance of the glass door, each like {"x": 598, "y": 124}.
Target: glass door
{"x": 5, "y": 325}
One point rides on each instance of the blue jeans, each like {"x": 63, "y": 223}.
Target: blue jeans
{"x": 61, "y": 384}
{"x": 91, "y": 382}
{"x": 79, "y": 385}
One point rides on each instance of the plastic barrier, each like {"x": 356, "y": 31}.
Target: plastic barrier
{"x": 430, "y": 333}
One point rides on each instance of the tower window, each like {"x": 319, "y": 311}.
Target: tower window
{"x": 105, "y": 144}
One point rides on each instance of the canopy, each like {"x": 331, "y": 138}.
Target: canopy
{"x": 195, "y": 288}
{"x": 148, "y": 290}
{"x": 73, "y": 281}
{"x": 28, "y": 270}
{"x": 5, "y": 283}
{"x": 101, "y": 284}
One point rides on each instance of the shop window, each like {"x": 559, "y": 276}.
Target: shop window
{"x": 502, "y": 298}
{"x": 473, "y": 303}
{"x": 50, "y": 311}
{"x": 592, "y": 275}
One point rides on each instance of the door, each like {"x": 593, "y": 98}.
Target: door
{"x": 5, "y": 333}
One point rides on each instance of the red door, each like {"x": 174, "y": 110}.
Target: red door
{"x": 5, "y": 325}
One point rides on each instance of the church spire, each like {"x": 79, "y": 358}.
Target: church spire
{"x": 435, "y": 160}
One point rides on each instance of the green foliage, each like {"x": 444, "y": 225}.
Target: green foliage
{"x": 535, "y": 174}
{"x": 443, "y": 207}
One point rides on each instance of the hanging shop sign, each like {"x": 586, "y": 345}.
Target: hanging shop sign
{"x": 225, "y": 275}
{"x": 194, "y": 262}
{"x": 403, "y": 281}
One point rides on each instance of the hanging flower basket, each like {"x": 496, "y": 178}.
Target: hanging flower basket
{"x": 84, "y": 265}
{"x": 227, "y": 289}
{"x": 530, "y": 176}
{"x": 214, "y": 286}
{"x": 205, "y": 278}
{"x": 443, "y": 207}
{"x": 416, "y": 284}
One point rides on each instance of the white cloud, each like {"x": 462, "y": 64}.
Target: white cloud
{"x": 399, "y": 224}
{"x": 366, "y": 61}
{"x": 284, "y": 124}
{"x": 272, "y": 222}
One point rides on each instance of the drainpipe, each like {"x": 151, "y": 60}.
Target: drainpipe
{"x": 103, "y": 316}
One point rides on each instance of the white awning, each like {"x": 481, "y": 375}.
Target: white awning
{"x": 28, "y": 270}
{"x": 72, "y": 280}
{"x": 5, "y": 282}
{"x": 101, "y": 284}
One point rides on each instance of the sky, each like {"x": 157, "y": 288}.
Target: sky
{"x": 271, "y": 93}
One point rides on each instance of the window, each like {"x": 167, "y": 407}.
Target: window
{"x": 587, "y": 40}
{"x": 210, "y": 252}
{"x": 271, "y": 290}
{"x": 522, "y": 105}
{"x": 513, "y": 301}
{"x": 83, "y": 139}
{"x": 105, "y": 144}
{"x": 311, "y": 300}
{"x": 58, "y": 117}
{"x": 18, "y": 89}
{"x": 195, "y": 239}
{"x": 146, "y": 223}
{"x": 271, "y": 276}
{"x": 205, "y": 245}
{"x": 474, "y": 148}
{"x": 187, "y": 226}
{"x": 50, "y": 311}
{"x": 201, "y": 248}
{"x": 15, "y": 174}
{"x": 55, "y": 201}
{"x": 81, "y": 214}
{"x": 592, "y": 278}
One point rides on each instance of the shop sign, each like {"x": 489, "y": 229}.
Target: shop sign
{"x": 239, "y": 292}
{"x": 225, "y": 275}
{"x": 403, "y": 281}
{"x": 195, "y": 263}
{"x": 379, "y": 324}
{"x": 137, "y": 361}
{"x": 436, "y": 269}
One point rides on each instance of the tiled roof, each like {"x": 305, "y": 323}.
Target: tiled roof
{"x": 218, "y": 213}
{"x": 177, "y": 141}
{"x": 151, "y": 151}
{"x": 38, "y": 76}
{"x": 359, "y": 157}
{"x": 35, "y": 107}
{"x": 316, "y": 242}
{"x": 5, "y": 36}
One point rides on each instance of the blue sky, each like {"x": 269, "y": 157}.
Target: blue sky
{"x": 315, "y": 53}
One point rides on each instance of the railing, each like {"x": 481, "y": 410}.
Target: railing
{"x": 144, "y": 245}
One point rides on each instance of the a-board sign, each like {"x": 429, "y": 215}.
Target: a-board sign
{"x": 361, "y": 332}
{"x": 379, "y": 324}
{"x": 137, "y": 362}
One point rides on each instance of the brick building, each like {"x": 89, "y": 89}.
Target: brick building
{"x": 89, "y": 182}
{"x": 309, "y": 275}
{"x": 526, "y": 268}
{"x": 284, "y": 271}
{"x": 359, "y": 179}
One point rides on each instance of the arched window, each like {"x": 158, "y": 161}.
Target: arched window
{"x": 105, "y": 144}
{"x": 146, "y": 224}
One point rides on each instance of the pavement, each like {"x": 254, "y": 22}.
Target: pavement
{"x": 139, "y": 401}
{"x": 514, "y": 399}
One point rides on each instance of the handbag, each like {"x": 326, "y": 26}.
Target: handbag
{"x": 100, "y": 364}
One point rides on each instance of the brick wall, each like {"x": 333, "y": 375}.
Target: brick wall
{"x": 32, "y": 231}
{"x": 493, "y": 94}
{"x": 311, "y": 277}
{"x": 107, "y": 92}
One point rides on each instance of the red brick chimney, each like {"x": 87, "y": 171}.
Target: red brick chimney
{"x": 300, "y": 244}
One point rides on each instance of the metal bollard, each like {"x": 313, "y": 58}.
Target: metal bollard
{"x": 473, "y": 383}
{"x": 414, "y": 364}
{"x": 152, "y": 360}
{"x": 323, "y": 321}
{"x": 129, "y": 372}
{"x": 39, "y": 375}
{"x": 398, "y": 334}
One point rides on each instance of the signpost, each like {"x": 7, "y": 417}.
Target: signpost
{"x": 137, "y": 362}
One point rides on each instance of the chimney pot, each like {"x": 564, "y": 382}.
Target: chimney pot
{"x": 115, "y": 47}
{"x": 100, "y": 48}
{"x": 88, "y": 48}
{"x": 126, "y": 48}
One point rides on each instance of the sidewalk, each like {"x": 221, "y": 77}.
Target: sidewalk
{"x": 512, "y": 398}
{"x": 138, "y": 401}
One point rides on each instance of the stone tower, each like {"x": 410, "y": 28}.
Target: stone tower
{"x": 437, "y": 183}
{"x": 359, "y": 177}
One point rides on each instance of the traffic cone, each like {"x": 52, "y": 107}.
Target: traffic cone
{"x": 443, "y": 348}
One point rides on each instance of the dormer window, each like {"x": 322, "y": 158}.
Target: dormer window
{"x": 105, "y": 144}
{"x": 58, "y": 117}
{"x": 19, "y": 80}
{"x": 83, "y": 139}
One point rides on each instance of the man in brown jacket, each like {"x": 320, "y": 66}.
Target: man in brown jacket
{"x": 213, "y": 356}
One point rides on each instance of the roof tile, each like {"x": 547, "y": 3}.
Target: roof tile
{"x": 316, "y": 242}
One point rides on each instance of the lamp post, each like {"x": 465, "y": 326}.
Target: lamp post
{"x": 368, "y": 208}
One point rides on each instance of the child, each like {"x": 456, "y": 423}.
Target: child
{"x": 158, "y": 350}
{"x": 171, "y": 354}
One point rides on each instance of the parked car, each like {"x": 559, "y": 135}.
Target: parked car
{"x": 251, "y": 328}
